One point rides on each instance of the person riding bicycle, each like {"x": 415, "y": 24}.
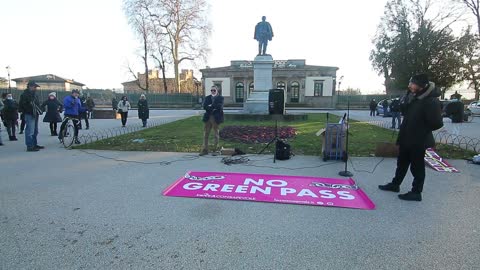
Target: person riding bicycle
{"x": 72, "y": 106}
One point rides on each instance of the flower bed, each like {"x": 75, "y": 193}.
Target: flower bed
{"x": 255, "y": 134}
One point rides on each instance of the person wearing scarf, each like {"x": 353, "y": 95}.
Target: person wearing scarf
{"x": 213, "y": 117}
{"x": 422, "y": 115}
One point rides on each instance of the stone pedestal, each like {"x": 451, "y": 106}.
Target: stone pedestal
{"x": 257, "y": 102}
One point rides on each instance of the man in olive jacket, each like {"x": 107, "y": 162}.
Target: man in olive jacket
{"x": 422, "y": 115}
{"x": 212, "y": 118}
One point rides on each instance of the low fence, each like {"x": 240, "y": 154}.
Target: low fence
{"x": 360, "y": 101}
{"x": 442, "y": 136}
{"x": 103, "y": 98}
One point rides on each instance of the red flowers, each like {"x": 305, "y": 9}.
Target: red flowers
{"x": 255, "y": 134}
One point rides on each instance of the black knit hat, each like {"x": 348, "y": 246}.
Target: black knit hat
{"x": 420, "y": 80}
{"x": 32, "y": 83}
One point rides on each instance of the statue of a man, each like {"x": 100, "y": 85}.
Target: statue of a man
{"x": 263, "y": 33}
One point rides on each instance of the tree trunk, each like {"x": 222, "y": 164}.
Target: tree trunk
{"x": 163, "y": 75}
{"x": 145, "y": 50}
{"x": 476, "y": 87}
{"x": 177, "y": 77}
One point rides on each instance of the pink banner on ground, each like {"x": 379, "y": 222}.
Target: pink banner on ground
{"x": 437, "y": 163}
{"x": 271, "y": 188}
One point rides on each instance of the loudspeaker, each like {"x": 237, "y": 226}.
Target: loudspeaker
{"x": 282, "y": 150}
{"x": 276, "y": 101}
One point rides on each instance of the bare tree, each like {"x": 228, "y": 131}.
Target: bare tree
{"x": 160, "y": 50}
{"x": 139, "y": 20}
{"x": 474, "y": 7}
{"x": 186, "y": 26}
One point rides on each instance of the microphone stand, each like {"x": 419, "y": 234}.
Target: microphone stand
{"x": 345, "y": 172}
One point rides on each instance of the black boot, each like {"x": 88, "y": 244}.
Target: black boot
{"x": 411, "y": 196}
{"x": 77, "y": 141}
{"x": 389, "y": 187}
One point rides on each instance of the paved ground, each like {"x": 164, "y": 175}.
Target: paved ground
{"x": 70, "y": 209}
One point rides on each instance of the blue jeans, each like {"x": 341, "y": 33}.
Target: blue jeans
{"x": 396, "y": 115}
{"x": 31, "y": 130}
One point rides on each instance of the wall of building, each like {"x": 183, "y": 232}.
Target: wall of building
{"x": 44, "y": 86}
{"x": 321, "y": 102}
{"x": 226, "y": 85}
{"x": 156, "y": 85}
{"x": 286, "y": 71}
{"x": 327, "y": 86}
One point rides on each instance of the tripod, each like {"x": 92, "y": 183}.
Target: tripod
{"x": 275, "y": 139}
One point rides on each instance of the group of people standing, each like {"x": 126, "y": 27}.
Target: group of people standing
{"x": 30, "y": 109}
{"x": 393, "y": 107}
{"x": 123, "y": 106}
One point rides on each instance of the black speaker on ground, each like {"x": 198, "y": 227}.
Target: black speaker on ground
{"x": 276, "y": 101}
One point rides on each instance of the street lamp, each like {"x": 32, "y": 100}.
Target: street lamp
{"x": 340, "y": 83}
{"x": 8, "y": 72}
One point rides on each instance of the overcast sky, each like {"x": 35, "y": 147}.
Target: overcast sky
{"x": 91, "y": 42}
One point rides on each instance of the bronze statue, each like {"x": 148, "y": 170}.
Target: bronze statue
{"x": 263, "y": 33}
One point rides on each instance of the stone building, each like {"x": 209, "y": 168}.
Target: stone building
{"x": 49, "y": 82}
{"x": 305, "y": 85}
{"x": 188, "y": 83}
{"x": 3, "y": 83}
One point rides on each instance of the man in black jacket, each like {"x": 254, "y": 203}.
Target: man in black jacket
{"x": 422, "y": 115}
{"x": 373, "y": 107}
{"x": 29, "y": 105}
{"x": 10, "y": 116}
{"x": 212, "y": 118}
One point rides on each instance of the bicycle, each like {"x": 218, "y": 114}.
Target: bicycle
{"x": 67, "y": 132}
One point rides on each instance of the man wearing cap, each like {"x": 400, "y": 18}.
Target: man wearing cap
{"x": 422, "y": 115}
{"x": 72, "y": 106}
{"x": 212, "y": 118}
{"x": 29, "y": 105}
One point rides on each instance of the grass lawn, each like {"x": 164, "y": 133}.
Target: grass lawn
{"x": 187, "y": 136}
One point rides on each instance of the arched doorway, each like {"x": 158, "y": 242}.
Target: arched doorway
{"x": 295, "y": 95}
{"x": 239, "y": 92}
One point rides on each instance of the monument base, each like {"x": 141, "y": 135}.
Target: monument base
{"x": 238, "y": 116}
{"x": 257, "y": 101}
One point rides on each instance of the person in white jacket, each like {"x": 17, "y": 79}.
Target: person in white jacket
{"x": 123, "y": 107}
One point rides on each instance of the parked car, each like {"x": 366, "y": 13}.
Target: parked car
{"x": 380, "y": 108}
{"x": 474, "y": 107}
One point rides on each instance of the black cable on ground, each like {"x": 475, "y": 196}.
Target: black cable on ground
{"x": 370, "y": 172}
{"x": 162, "y": 163}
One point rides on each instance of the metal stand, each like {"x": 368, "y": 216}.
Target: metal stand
{"x": 346, "y": 173}
{"x": 275, "y": 139}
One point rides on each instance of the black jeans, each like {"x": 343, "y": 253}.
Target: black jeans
{"x": 373, "y": 112}
{"x": 53, "y": 128}
{"x": 84, "y": 116}
{"x": 124, "y": 116}
{"x": 413, "y": 157}
{"x": 10, "y": 126}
